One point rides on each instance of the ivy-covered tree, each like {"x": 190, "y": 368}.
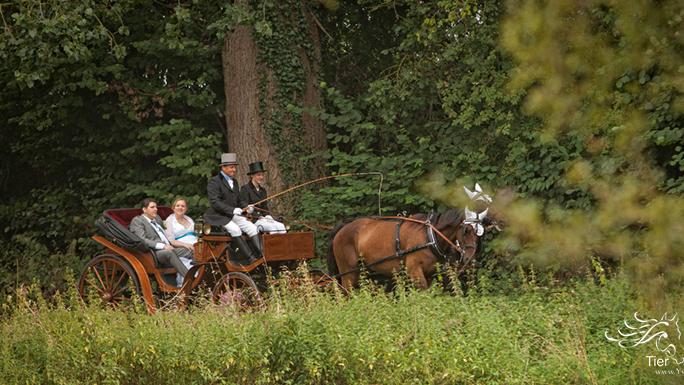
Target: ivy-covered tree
{"x": 107, "y": 102}
{"x": 271, "y": 63}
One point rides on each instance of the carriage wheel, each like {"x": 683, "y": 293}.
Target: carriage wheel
{"x": 236, "y": 289}
{"x": 110, "y": 278}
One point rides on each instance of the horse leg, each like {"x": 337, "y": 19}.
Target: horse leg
{"x": 349, "y": 281}
{"x": 347, "y": 261}
{"x": 417, "y": 276}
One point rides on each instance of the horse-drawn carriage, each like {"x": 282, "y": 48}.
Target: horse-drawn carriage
{"x": 124, "y": 271}
{"x": 383, "y": 245}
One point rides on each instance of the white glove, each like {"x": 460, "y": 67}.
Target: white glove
{"x": 237, "y": 211}
{"x": 268, "y": 217}
{"x": 250, "y": 209}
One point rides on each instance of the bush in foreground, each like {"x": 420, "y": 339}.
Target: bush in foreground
{"x": 533, "y": 336}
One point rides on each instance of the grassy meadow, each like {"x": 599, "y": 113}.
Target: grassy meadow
{"x": 497, "y": 334}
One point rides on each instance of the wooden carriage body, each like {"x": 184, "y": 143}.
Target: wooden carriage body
{"x": 104, "y": 272}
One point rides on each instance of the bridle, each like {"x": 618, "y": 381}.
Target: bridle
{"x": 455, "y": 249}
{"x": 463, "y": 247}
{"x": 464, "y": 227}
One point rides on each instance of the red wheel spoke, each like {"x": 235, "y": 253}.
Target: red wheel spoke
{"x": 112, "y": 277}
{"x": 97, "y": 274}
{"x": 108, "y": 282}
{"x": 94, "y": 285}
{"x": 116, "y": 285}
{"x": 236, "y": 290}
{"x": 114, "y": 271}
{"x": 119, "y": 290}
{"x": 119, "y": 299}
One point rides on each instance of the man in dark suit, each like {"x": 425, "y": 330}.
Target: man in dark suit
{"x": 253, "y": 192}
{"x": 226, "y": 210}
{"x": 150, "y": 229}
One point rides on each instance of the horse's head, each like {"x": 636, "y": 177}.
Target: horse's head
{"x": 465, "y": 233}
{"x": 481, "y": 203}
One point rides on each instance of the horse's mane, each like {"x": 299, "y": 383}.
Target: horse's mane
{"x": 444, "y": 219}
{"x": 449, "y": 218}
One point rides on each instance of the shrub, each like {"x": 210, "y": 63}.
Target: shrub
{"x": 529, "y": 335}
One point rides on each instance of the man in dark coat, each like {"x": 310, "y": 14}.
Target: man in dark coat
{"x": 254, "y": 192}
{"x": 226, "y": 210}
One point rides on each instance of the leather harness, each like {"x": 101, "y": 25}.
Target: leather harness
{"x": 432, "y": 244}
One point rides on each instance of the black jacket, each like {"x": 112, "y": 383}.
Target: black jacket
{"x": 249, "y": 195}
{"x": 222, "y": 201}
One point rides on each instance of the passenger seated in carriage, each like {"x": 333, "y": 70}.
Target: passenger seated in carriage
{"x": 253, "y": 192}
{"x": 149, "y": 228}
{"x": 180, "y": 229}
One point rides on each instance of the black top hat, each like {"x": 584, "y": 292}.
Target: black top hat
{"x": 256, "y": 167}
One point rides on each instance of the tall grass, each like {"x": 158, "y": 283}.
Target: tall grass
{"x": 531, "y": 335}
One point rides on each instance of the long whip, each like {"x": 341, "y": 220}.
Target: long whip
{"x": 326, "y": 178}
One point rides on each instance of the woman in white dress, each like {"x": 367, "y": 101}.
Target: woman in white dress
{"x": 180, "y": 229}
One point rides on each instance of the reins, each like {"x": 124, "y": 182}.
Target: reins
{"x": 309, "y": 225}
{"x": 312, "y": 226}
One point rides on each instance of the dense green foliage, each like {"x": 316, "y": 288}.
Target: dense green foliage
{"x": 104, "y": 103}
{"x": 616, "y": 83}
{"x": 574, "y": 105}
{"x": 533, "y": 335}
{"x": 572, "y": 110}
{"x": 439, "y": 104}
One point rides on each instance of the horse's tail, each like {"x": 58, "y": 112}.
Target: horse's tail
{"x": 332, "y": 264}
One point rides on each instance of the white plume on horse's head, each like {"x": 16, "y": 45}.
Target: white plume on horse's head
{"x": 475, "y": 220}
{"x": 478, "y": 194}
{"x": 648, "y": 330}
{"x": 470, "y": 215}
{"x": 471, "y": 194}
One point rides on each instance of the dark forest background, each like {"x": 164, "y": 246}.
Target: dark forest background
{"x": 571, "y": 111}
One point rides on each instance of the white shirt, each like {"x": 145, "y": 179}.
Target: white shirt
{"x": 228, "y": 179}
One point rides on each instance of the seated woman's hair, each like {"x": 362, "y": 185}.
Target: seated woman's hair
{"x": 177, "y": 199}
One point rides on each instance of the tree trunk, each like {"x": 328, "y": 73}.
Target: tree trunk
{"x": 251, "y": 89}
{"x": 246, "y": 134}
{"x": 313, "y": 127}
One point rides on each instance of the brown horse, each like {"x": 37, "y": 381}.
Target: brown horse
{"x": 383, "y": 244}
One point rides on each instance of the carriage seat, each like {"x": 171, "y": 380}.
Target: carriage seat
{"x": 125, "y": 216}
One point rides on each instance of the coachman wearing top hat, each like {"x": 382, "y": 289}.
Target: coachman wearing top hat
{"x": 225, "y": 209}
{"x": 253, "y": 192}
